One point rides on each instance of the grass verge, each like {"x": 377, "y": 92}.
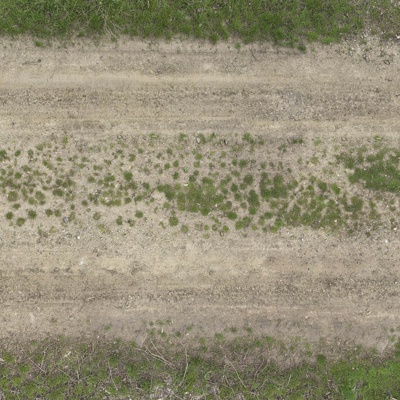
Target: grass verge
{"x": 167, "y": 367}
{"x": 290, "y": 22}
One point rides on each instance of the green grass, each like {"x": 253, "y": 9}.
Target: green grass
{"x": 379, "y": 171}
{"x": 173, "y": 221}
{"x": 21, "y": 221}
{"x": 288, "y": 22}
{"x": 168, "y": 363}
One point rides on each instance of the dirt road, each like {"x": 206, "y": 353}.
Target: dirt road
{"x": 293, "y": 283}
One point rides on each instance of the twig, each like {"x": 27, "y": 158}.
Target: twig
{"x": 187, "y": 365}
{"x": 161, "y": 356}
{"x": 158, "y": 357}
{"x": 290, "y": 377}
{"x": 251, "y": 52}
{"x": 110, "y": 375}
{"x": 237, "y": 374}
{"x": 36, "y": 365}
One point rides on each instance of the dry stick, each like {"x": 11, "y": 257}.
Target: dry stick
{"x": 30, "y": 359}
{"x": 258, "y": 369}
{"x": 290, "y": 377}
{"x": 44, "y": 354}
{"x": 245, "y": 356}
{"x": 159, "y": 357}
{"x": 162, "y": 357}
{"x": 187, "y": 364}
{"x": 237, "y": 373}
{"x": 228, "y": 385}
{"x": 110, "y": 375}
{"x": 251, "y": 52}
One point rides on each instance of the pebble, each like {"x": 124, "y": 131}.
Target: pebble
{"x": 66, "y": 220}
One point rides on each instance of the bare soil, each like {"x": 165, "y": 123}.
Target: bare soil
{"x": 294, "y": 283}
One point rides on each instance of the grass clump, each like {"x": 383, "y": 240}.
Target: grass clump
{"x": 139, "y": 214}
{"x": 96, "y": 216}
{"x": 128, "y": 176}
{"x": 20, "y": 221}
{"x": 173, "y": 221}
{"x": 32, "y": 214}
{"x": 12, "y": 196}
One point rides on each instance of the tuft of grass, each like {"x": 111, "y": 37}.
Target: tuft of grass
{"x": 139, "y": 214}
{"x": 32, "y": 214}
{"x": 128, "y": 176}
{"x": 12, "y": 196}
{"x": 21, "y": 221}
{"x": 96, "y": 216}
{"x": 184, "y": 229}
{"x": 173, "y": 221}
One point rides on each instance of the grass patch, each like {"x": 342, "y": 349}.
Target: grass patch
{"x": 139, "y": 214}
{"x": 282, "y": 22}
{"x": 378, "y": 171}
{"x": 66, "y": 368}
{"x": 32, "y": 214}
{"x": 260, "y": 189}
{"x": 173, "y": 221}
{"x": 21, "y": 221}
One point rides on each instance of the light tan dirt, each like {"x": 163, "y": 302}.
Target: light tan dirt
{"x": 294, "y": 283}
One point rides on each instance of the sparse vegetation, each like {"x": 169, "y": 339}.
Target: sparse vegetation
{"x": 247, "y": 194}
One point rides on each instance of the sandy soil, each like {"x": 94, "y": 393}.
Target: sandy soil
{"x": 294, "y": 283}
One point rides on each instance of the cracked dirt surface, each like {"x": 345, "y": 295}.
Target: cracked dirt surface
{"x": 293, "y": 283}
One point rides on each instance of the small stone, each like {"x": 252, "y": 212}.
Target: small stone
{"x": 387, "y": 62}
{"x": 198, "y": 140}
{"x": 66, "y": 220}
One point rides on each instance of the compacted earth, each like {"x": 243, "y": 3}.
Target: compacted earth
{"x": 202, "y": 186}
